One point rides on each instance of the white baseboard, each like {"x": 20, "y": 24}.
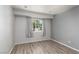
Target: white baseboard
{"x": 32, "y": 40}
{"x": 43, "y": 40}
{"x": 11, "y": 49}
{"x": 65, "y": 45}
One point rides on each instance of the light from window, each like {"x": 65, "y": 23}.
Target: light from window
{"x": 37, "y": 25}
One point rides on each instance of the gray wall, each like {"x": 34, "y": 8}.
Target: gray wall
{"x": 65, "y": 27}
{"x": 19, "y": 30}
{"x": 6, "y": 29}
{"x": 20, "y": 23}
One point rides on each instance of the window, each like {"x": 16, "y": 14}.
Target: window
{"x": 37, "y": 25}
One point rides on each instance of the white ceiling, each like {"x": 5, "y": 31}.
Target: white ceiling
{"x": 47, "y": 9}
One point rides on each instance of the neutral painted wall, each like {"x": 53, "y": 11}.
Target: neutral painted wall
{"x": 65, "y": 27}
{"x": 6, "y": 29}
{"x": 20, "y": 25}
{"x": 48, "y": 28}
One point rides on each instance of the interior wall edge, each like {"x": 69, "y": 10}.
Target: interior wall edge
{"x": 32, "y": 14}
{"x": 11, "y": 49}
{"x": 65, "y": 45}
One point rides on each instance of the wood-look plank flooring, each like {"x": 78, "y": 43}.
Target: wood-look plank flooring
{"x": 42, "y": 47}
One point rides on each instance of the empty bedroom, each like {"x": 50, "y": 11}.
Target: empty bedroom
{"x": 39, "y": 29}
